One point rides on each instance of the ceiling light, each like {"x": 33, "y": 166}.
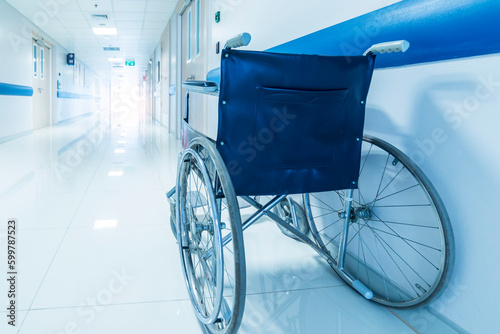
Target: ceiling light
{"x": 115, "y": 59}
{"x": 119, "y": 151}
{"x": 115, "y": 173}
{"x": 105, "y": 223}
{"x": 105, "y": 31}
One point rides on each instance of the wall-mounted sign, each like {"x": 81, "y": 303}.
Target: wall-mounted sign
{"x": 70, "y": 59}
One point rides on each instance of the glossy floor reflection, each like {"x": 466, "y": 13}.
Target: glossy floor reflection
{"x": 96, "y": 254}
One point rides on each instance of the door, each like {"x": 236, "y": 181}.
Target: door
{"x": 194, "y": 63}
{"x": 165, "y": 78}
{"x": 174, "y": 112}
{"x": 41, "y": 85}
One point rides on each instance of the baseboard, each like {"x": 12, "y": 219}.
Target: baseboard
{"x": 74, "y": 119}
{"x": 15, "y": 136}
{"x": 425, "y": 320}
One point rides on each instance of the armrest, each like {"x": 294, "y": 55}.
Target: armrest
{"x": 388, "y": 47}
{"x": 198, "y": 86}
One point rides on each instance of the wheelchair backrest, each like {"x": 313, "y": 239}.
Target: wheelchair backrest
{"x": 292, "y": 123}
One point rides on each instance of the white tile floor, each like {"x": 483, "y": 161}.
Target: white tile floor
{"x": 74, "y": 278}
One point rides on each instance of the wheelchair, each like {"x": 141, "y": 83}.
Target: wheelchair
{"x": 292, "y": 124}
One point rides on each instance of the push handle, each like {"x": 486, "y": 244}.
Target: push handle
{"x": 388, "y": 47}
{"x": 238, "y": 40}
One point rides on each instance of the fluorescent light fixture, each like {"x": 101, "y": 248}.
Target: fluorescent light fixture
{"x": 119, "y": 151}
{"x": 110, "y": 223}
{"x": 122, "y": 142}
{"x": 105, "y": 31}
{"x": 115, "y": 59}
{"x": 115, "y": 173}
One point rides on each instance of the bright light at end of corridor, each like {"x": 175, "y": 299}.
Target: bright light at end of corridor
{"x": 115, "y": 173}
{"x": 119, "y": 150}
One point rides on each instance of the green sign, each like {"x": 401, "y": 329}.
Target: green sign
{"x": 130, "y": 63}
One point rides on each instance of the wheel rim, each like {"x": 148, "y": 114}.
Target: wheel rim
{"x": 233, "y": 265}
{"x": 200, "y": 243}
{"x": 398, "y": 241}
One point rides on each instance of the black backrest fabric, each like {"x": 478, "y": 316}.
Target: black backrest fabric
{"x": 292, "y": 123}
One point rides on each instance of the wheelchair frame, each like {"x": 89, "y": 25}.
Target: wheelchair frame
{"x": 201, "y": 161}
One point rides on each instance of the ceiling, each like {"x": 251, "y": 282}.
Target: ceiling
{"x": 139, "y": 24}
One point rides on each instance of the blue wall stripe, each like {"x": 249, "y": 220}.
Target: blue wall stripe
{"x": 69, "y": 95}
{"x": 436, "y": 29}
{"x": 15, "y": 90}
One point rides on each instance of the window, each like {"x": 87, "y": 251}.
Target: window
{"x": 42, "y": 60}
{"x": 197, "y": 38}
{"x": 35, "y": 54}
{"x": 189, "y": 36}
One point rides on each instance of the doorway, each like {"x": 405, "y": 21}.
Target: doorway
{"x": 193, "y": 59}
{"x": 41, "y": 84}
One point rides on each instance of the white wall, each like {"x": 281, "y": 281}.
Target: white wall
{"x": 275, "y": 22}
{"x": 70, "y": 108}
{"x": 444, "y": 115}
{"x": 16, "y": 112}
{"x": 271, "y": 23}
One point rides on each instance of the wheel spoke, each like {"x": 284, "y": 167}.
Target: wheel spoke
{"x": 325, "y": 203}
{"x": 335, "y": 222}
{"x": 203, "y": 196}
{"x": 382, "y": 177}
{"x": 387, "y": 255}
{"x": 395, "y": 193}
{"x": 406, "y": 241}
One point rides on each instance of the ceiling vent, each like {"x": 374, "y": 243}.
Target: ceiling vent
{"x": 100, "y": 17}
{"x": 111, "y": 48}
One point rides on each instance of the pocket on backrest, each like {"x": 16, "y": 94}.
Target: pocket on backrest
{"x": 297, "y": 128}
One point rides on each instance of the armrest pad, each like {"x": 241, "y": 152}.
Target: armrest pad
{"x": 200, "y": 86}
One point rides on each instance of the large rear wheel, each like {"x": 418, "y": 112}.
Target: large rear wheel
{"x": 207, "y": 212}
{"x": 400, "y": 241}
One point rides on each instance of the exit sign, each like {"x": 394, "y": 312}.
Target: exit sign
{"x": 130, "y": 63}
